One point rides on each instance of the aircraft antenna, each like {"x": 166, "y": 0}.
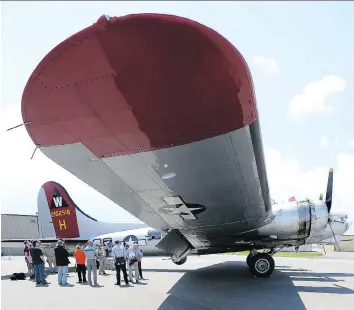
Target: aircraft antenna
{"x": 25, "y": 123}
{"x": 37, "y": 146}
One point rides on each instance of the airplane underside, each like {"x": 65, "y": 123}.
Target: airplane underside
{"x": 211, "y": 184}
{"x": 158, "y": 113}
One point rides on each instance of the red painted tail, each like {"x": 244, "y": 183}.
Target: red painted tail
{"x": 62, "y": 211}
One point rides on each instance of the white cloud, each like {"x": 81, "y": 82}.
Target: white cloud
{"x": 286, "y": 179}
{"x": 314, "y": 96}
{"x": 324, "y": 142}
{"x": 21, "y": 178}
{"x": 351, "y": 143}
{"x": 267, "y": 66}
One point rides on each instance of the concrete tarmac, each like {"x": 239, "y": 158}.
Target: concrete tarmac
{"x": 205, "y": 282}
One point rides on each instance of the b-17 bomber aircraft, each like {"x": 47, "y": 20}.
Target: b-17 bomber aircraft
{"x": 158, "y": 113}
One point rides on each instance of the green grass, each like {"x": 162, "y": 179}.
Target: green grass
{"x": 284, "y": 254}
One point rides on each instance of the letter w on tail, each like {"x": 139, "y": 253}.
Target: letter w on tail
{"x": 58, "y": 201}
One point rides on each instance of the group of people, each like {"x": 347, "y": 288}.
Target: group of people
{"x": 57, "y": 258}
{"x": 88, "y": 259}
{"x": 127, "y": 256}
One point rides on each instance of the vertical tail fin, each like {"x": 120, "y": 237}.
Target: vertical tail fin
{"x": 56, "y": 212}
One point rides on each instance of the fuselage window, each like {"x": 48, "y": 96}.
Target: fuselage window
{"x": 97, "y": 241}
{"x": 107, "y": 241}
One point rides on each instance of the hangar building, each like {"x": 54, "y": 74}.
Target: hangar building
{"x": 17, "y": 226}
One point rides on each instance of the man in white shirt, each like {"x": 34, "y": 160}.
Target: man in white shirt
{"x": 119, "y": 255}
{"x": 133, "y": 255}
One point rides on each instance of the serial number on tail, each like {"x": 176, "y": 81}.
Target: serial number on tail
{"x": 60, "y": 213}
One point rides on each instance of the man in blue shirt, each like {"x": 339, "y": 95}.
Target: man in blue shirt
{"x": 91, "y": 263}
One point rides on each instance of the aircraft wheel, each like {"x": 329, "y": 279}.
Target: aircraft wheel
{"x": 262, "y": 265}
{"x": 179, "y": 262}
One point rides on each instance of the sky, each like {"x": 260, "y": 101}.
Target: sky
{"x": 300, "y": 56}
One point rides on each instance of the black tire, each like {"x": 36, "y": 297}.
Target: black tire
{"x": 248, "y": 260}
{"x": 262, "y": 265}
{"x": 181, "y": 262}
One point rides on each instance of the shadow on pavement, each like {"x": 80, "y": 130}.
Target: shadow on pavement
{"x": 47, "y": 271}
{"x": 229, "y": 285}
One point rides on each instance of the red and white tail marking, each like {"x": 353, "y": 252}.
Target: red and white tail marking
{"x": 62, "y": 211}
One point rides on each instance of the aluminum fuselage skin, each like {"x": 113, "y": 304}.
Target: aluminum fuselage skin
{"x": 211, "y": 173}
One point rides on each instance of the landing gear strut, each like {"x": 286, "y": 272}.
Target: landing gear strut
{"x": 260, "y": 264}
